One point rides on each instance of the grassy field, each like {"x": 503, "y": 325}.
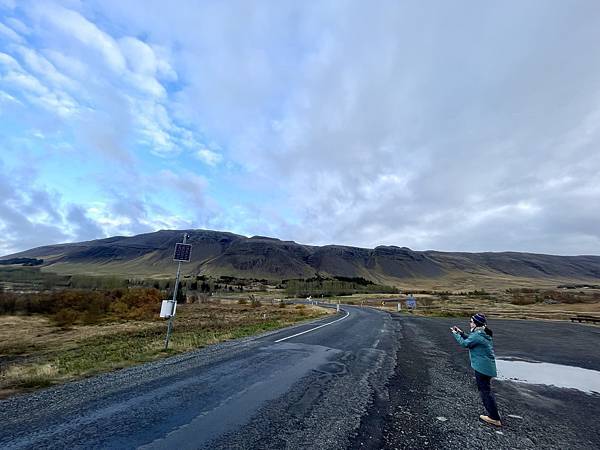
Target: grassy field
{"x": 499, "y": 305}
{"x": 35, "y": 353}
{"x": 460, "y": 281}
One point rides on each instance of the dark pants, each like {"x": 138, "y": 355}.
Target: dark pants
{"x": 487, "y": 396}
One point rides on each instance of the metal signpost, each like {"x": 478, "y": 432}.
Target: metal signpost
{"x": 183, "y": 253}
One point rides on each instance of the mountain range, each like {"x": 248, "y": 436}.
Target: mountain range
{"x": 216, "y": 253}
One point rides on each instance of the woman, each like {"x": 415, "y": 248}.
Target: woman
{"x": 481, "y": 351}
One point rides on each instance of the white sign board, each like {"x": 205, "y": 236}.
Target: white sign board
{"x": 168, "y": 308}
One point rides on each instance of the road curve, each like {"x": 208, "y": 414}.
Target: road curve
{"x": 307, "y": 386}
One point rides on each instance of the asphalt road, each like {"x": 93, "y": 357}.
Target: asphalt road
{"x": 290, "y": 388}
{"x": 366, "y": 379}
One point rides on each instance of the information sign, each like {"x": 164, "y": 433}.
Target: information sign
{"x": 168, "y": 308}
{"x": 411, "y": 303}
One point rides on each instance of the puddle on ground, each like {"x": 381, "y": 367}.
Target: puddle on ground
{"x": 534, "y": 372}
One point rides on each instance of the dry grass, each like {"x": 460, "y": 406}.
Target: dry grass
{"x": 34, "y": 375}
{"x": 497, "y": 305}
{"x": 23, "y": 335}
{"x": 34, "y": 353}
{"x": 494, "y": 282}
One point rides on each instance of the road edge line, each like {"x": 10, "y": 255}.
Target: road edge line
{"x": 312, "y": 329}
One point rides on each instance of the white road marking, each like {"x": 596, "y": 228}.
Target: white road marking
{"x": 313, "y": 329}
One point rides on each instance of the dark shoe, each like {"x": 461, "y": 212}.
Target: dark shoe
{"x": 491, "y": 421}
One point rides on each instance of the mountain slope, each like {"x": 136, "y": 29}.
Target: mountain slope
{"x": 220, "y": 253}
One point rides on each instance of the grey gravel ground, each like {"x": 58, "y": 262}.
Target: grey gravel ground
{"x": 433, "y": 399}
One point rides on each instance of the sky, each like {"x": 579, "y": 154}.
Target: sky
{"x": 454, "y": 126}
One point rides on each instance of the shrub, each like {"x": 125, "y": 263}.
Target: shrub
{"x": 523, "y": 300}
{"x": 425, "y": 301}
{"x": 90, "y": 306}
{"x": 94, "y": 312}
{"x": 119, "y": 308}
{"x": 141, "y": 303}
{"x": 8, "y": 303}
{"x": 254, "y": 302}
{"x": 65, "y": 318}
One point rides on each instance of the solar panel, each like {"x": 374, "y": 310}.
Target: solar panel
{"x": 183, "y": 252}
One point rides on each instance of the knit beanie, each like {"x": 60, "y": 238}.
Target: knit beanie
{"x": 479, "y": 319}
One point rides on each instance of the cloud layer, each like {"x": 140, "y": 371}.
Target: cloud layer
{"x": 450, "y": 127}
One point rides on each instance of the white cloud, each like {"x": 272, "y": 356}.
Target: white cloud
{"x": 58, "y": 102}
{"x": 208, "y": 156}
{"x": 102, "y": 215}
{"x": 28, "y": 216}
{"x": 45, "y": 69}
{"x": 9, "y": 62}
{"x": 144, "y": 66}
{"x": 98, "y": 72}
{"x": 8, "y": 4}
{"x": 193, "y": 187}
{"x": 164, "y": 68}
{"x": 25, "y": 81}
{"x": 355, "y": 124}
{"x": 31, "y": 87}
{"x": 35, "y": 91}
{"x": 17, "y": 25}
{"x": 73, "y": 24}
{"x": 140, "y": 56}
{"x": 32, "y": 214}
{"x": 4, "y": 97}
{"x": 10, "y": 33}
{"x": 154, "y": 125}
{"x": 68, "y": 65}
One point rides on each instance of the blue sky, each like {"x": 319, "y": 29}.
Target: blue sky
{"x": 463, "y": 126}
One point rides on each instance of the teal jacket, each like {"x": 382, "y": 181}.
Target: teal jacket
{"x": 481, "y": 351}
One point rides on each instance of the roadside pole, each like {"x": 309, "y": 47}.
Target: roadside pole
{"x": 182, "y": 253}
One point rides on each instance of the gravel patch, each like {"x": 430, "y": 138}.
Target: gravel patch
{"x": 434, "y": 401}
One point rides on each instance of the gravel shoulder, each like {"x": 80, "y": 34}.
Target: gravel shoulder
{"x": 434, "y": 403}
